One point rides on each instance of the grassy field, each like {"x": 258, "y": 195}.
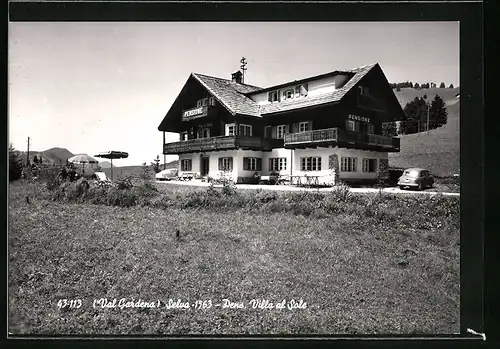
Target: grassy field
{"x": 438, "y": 151}
{"x": 371, "y": 265}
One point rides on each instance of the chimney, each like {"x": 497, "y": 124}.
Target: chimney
{"x": 237, "y": 77}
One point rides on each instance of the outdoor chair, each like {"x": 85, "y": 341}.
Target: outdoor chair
{"x": 102, "y": 178}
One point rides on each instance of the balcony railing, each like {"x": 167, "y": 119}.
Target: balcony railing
{"x": 332, "y": 136}
{"x": 219, "y": 143}
{"x": 329, "y": 134}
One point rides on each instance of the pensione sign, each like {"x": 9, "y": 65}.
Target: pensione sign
{"x": 193, "y": 113}
{"x": 358, "y": 118}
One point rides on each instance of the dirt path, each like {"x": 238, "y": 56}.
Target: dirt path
{"x": 393, "y": 190}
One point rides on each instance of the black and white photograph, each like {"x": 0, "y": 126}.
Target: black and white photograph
{"x": 234, "y": 178}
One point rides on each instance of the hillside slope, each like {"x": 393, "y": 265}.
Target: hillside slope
{"x": 438, "y": 151}
{"x": 52, "y": 156}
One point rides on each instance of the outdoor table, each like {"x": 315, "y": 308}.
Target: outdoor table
{"x": 304, "y": 180}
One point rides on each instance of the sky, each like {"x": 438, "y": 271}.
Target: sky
{"x": 94, "y": 87}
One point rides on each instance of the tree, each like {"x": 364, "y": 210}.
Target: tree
{"x": 417, "y": 86}
{"x": 437, "y": 112}
{"x": 156, "y": 164}
{"x": 15, "y": 164}
{"x": 389, "y": 129}
{"x": 442, "y": 85}
{"x": 398, "y": 89}
{"x": 411, "y": 84}
{"x": 451, "y": 86}
{"x": 35, "y": 159}
{"x": 145, "y": 171}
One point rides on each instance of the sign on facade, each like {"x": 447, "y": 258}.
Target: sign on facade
{"x": 193, "y": 114}
{"x": 358, "y": 118}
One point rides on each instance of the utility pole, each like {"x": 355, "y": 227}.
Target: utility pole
{"x": 243, "y": 62}
{"x": 28, "y": 154}
{"x": 428, "y": 106}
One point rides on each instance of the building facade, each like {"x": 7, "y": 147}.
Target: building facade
{"x": 330, "y": 123}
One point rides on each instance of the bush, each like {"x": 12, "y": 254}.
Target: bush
{"x": 15, "y": 164}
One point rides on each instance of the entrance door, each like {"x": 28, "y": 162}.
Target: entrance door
{"x": 204, "y": 165}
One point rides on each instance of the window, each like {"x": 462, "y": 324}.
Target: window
{"x": 186, "y": 165}
{"x": 273, "y": 96}
{"x": 371, "y": 129}
{"x": 211, "y": 101}
{"x": 252, "y": 164}
{"x": 198, "y": 104}
{"x": 351, "y": 125}
{"x": 230, "y": 130}
{"x": 225, "y": 164}
{"x": 245, "y": 130}
{"x": 301, "y": 90}
{"x": 287, "y": 94}
{"x": 310, "y": 164}
{"x": 348, "y": 164}
{"x": 363, "y": 90}
{"x": 268, "y": 132}
{"x": 369, "y": 165}
{"x": 277, "y": 164}
{"x": 183, "y": 136}
{"x": 303, "y": 126}
{"x": 280, "y": 131}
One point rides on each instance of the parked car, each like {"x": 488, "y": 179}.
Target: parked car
{"x": 167, "y": 175}
{"x": 417, "y": 178}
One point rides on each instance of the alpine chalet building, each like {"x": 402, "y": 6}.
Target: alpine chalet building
{"x": 326, "y": 125}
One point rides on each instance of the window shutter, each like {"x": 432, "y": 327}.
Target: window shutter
{"x": 259, "y": 164}
{"x": 230, "y": 164}
{"x": 246, "y": 163}
{"x": 310, "y": 126}
{"x": 274, "y": 132}
{"x": 269, "y": 99}
{"x": 190, "y": 164}
{"x": 287, "y": 128}
{"x": 295, "y": 127}
{"x": 220, "y": 164}
{"x": 270, "y": 165}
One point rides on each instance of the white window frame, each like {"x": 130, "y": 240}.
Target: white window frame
{"x": 252, "y": 164}
{"x": 311, "y": 163}
{"x": 273, "y": 96}
{"x": 283, "y": 131}
{"x": 348, "y": 164}
{"x": 304, "y": 126}
{"x": 299, "y": 93}
{"x": 226, "y": 161}
{"x": 229, "y": 128}
{"x": 277, "y": 164}
{"x": 183, "y": 136}
{"x": 353, "y": 123}
{"x": 186, "y": 164}
{"x": 288, "y": 93}
{"x": 245, "y": 128}
{"x": 366, "y": 165}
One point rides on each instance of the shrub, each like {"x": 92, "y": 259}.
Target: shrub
{"x": 266, "y": 196}
{"x": 15, "y": 164}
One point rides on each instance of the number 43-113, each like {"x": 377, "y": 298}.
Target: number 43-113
{"x": 69, "y": 303}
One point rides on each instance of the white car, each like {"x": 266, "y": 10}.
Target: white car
{"x": 167, "y": 175}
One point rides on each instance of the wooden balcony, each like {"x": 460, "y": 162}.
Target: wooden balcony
{"x": 221, "y": 143}
{"x": 336, "y": 136}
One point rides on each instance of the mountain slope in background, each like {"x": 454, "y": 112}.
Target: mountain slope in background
{"x": 438, "y": 151}
{"x": 52, "y": 156}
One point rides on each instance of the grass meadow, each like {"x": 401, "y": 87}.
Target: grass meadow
{"x": 364, "y": 264}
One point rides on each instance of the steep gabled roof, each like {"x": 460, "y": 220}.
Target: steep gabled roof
{"x": 236, "y": 99}
{"x": 230, "y": 94}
